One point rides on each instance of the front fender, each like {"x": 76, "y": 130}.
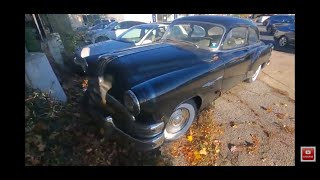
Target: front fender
{"x": 159, "y": 96}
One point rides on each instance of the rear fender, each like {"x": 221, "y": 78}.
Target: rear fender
{"x": 261, "y": 57}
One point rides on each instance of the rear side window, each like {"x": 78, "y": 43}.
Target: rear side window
{"x": 253, "y": 36}
{"x": 236, "y": 38}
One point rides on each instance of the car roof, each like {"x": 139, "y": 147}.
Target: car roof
{"x": 227, "y": 21}
{"x": 282, "y": 15}
{"x": 152, "y": 25}
{"x": 132, "y": 21}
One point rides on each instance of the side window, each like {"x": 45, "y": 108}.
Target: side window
{"x": 121, "y": 25}
{"x": 151, "y": 36}
{"x": 253, "y": 36}
{"x": 133, "y": 35}
{"x": 236, "y": 38}
{"x": 198, "y": 31}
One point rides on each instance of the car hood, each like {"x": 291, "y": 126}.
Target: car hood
{"x": 133, "y": 66}
{"x": 104, "y": 47}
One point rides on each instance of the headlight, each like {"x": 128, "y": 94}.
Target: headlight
{"x": 85, "y": 52}
{"x": 131, "y": 102}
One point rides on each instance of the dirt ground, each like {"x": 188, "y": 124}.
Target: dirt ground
{"x": 256, "y": 121}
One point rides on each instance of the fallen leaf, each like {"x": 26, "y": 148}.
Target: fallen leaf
{"x": 89, "y": 150}
{"x": 189, "y": 138}
{"x": 281, "y": 115}
{"x": 232, "y": 124}
{"x": 41, "y": 147}
{"x": 197, "y": 155}
{"x": 53, "y": 135}
{"x": 34, "y": 161}
{"x": 203, "y": 151}
{"x": 233, "y": 149}
{"x": 217, "y": 150}
{"x": 269, "y": 109}
{"x": 262, "y": 107}
{"x": 41, "y": 125}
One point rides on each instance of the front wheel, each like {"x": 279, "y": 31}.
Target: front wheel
{"x": 180, "y": 120}
{"x": 255, "y": 75}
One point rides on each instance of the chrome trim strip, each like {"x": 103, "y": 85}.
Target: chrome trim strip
{"x": 210, "y": 83}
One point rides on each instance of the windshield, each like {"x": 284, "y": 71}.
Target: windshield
{"x": 200, "y": 34}
{"x": 134, "y": 34}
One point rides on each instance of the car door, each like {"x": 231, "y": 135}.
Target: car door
{"x": 236, "y": 56}
{"x": 291, "y": 34}
{"x": 283, "y": 21}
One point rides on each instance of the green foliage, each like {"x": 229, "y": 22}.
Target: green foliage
{"x": 31, "y": 41}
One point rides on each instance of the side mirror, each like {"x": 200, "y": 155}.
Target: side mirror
{"x": 147, "y": 41}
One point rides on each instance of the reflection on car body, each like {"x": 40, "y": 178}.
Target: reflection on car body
{"x": 135, "y": 36}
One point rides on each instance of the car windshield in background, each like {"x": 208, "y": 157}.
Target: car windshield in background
{"x": 134, "y": 35}
{"x": 203, "y": 35}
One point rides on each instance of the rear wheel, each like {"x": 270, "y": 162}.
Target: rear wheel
{"x": 180, "y": 120}
{"x": 269, "y": 30}
{"x": 283, "y": 41}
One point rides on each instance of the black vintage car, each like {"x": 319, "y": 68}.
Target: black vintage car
{"x": 153, "y": 93}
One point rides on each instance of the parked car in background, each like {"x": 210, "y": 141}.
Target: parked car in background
{"x": 135, "y": 36}
{"x": 112, "y": 31}
{"x": 265, "y": 22}
{"x": 285, "y": 35}
{"x": 98, "y": 26}
{"x": 99, "y": 21}
{"x": 262, "y": 19}
{"x": 153, "y": 93}
{"x": 279, "y": 20}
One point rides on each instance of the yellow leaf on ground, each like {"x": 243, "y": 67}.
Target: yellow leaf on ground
{"x": 189, "y": 138}
{"x": 197, "y": 155}
{"x": 203, "y": 151}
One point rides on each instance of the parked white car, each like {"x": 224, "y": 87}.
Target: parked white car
{"x": 112, "y": 31}
{"x": 261, "y": 19}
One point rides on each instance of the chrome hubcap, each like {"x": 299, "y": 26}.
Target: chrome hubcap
{"x": 283, "y": 41}
{"x": 178, "y": 120}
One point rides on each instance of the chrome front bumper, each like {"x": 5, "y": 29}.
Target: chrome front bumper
{"x": 142, "y": 136}
{"x": 143, "y": 144}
